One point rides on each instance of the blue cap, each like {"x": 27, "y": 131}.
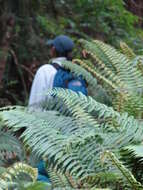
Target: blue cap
{"x": 62, "y": 43}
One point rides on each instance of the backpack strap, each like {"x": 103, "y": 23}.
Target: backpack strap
{"x": 56, "y": 66}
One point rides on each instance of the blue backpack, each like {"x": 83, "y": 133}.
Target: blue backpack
{"x": 65, "y": 79}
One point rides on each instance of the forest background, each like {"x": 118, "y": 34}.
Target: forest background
{"x": 27, "y": 24}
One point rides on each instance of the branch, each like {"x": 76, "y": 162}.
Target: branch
{"x": 21, "y": 75}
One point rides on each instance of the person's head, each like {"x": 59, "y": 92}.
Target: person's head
{"x": 61, "y": 46}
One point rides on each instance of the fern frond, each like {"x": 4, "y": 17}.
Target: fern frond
{"x": 118, "y": 74}
{"x": 98, "y": 75}
{"x": 70, "y": 161}
{"x": 136, "y": 150}
{"x": 9, "y": 145}
{"x": 128, "y": 175}
{"x": 122, "y": 66}
{"x": 72, "y": 140}
{"x": 127, "y": 51}
{"x": 80, "y": 71}
{"x": 61, "y": 180}
{"x": 12, "y": 176}
{"x": 138, "y": 63}
{"x": 104, "y": 112}
{"x": 20, "y": 168}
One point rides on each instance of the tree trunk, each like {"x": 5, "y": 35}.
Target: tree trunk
{"x": 7, "y": 25}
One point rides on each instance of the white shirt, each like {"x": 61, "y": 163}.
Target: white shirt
{"x": 43, "y": 81}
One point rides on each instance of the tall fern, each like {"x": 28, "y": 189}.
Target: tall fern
{"x": 72, "y": 138}
{"x": 118, "y": 75}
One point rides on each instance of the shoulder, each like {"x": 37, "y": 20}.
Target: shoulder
{"x": 47, "y": 68}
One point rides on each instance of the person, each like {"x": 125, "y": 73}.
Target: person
{"x": 54, "y": 75}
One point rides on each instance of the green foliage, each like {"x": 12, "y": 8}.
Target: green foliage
{"x": 19, "y": 176}
{"x": 74, "y": 133}
{"x": 79, "y": 71}
{"x": 108, "y": 20}
{"x": 117, "y": 75}
{"x": 127, "y": 51}
{"x": 73, "y": 139}
{"x": 46, "y": 18}
{"x": 135, "y": 185}
{"x": 9, "y": 146}
{"x": 82, "y": 141}
{"x": 94, "y": 89}
{"x": 35, "y": 21}
{"x": 48, "y": 26}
